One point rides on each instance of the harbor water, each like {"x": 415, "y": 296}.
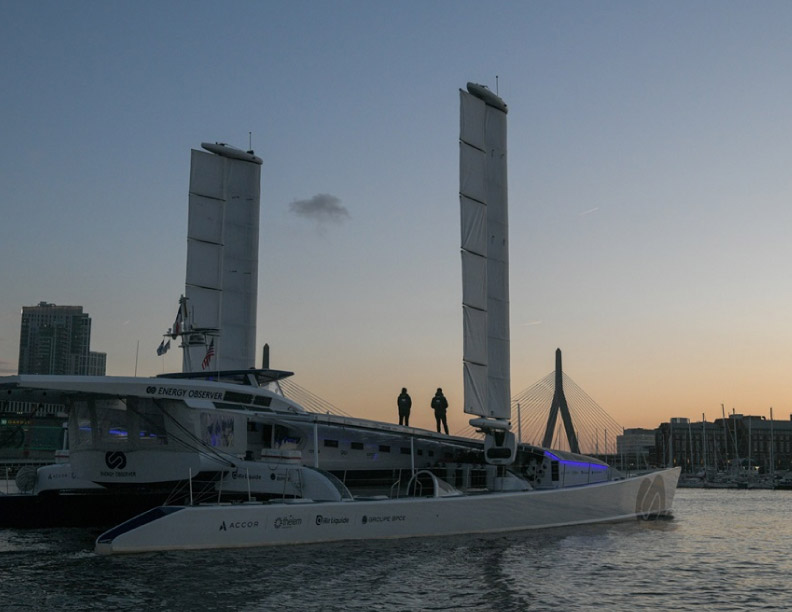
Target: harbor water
{"x": 723, "y": 550}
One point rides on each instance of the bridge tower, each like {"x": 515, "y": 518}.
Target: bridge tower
{"x": 559, "y": 403}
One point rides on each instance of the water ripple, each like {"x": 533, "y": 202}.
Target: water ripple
{"x": 725, "y": 550}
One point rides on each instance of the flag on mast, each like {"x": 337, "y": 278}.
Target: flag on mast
{"x": 208, "y": 357}
{"x": 177, "y": 324}
{"x": 181, "y": 314}
{"x": 163, "y": 348}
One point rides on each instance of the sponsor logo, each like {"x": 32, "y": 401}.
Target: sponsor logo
{"x": 238, "y": 525}
{"x": 331, "y": 520}
{"x": 388, "y": 518}
{"x": 246, "y": 476}
{"x": 181, "y": 393}
{"x": 287, "y": 522}
{"x": 115, "y": 460}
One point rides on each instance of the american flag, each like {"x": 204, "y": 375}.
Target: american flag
{"x": 208, "y": 357}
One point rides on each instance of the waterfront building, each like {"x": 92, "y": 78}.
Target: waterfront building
{"x": 635, "y": 447}
{"x": 56, "y": 340}
{"x": 736, "y": 443}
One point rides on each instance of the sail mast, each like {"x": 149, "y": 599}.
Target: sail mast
{"x": 483, "y": 199}
{"x": 485, "y": 254}
{"x": 222, "y": 255}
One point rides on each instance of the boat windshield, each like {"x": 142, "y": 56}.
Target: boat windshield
{"x": 117, "y": 422}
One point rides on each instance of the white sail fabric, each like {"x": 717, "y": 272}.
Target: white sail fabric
{"x": 475, "y": 344}
{"x": 205, "y": 221}
{"x": 205, "y": 265}
{"x": 483, "y": 195}
{"x": 474, "y": 226}
{"x": 475, "y": 386}
{"x": 474, "y": 289}
{"x": 222, "y": 260}
{"x": 472, "y": 170}
{"x": 472, "y": 120}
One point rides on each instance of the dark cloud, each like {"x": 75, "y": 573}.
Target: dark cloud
{"x": 322, "y": 208}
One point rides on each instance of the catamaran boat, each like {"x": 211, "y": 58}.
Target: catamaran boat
{"x": 520, "y": 487}
{"x": 233, "y": 435}
{"x": 430, "y": 508}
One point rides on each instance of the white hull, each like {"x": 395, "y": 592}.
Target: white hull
{"x": 301, "y": 521}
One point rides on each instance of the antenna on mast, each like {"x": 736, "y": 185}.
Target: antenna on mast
{"x": 250, "y": 142}
{"x": 496, "y": 85}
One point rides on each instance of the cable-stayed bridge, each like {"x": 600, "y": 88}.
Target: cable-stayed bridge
{"x": 584, "y": 425}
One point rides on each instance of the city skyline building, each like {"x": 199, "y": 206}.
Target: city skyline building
{"x": 57, "y": 340}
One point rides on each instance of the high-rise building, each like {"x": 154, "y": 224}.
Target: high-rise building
{"x": 57, "y": 340}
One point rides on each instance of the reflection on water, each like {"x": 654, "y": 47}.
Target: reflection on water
{"x": 724, "y": 550}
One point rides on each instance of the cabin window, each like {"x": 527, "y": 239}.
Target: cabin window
{"x": 554, "y": 470}
{"x": 266, "y": 435}
{"x": 285, "y": 438}
{"x": 384, "y": 448}
{"x": 150, "y": 421}
{"x": 356, "y": 445}
{"x": 331, "y": 443}
{"x": 261, "y": 400}
{"x": 405, "y": 450}
{"x": 478, "y": 479}
{"x": 82, "y": 423}
{"x": 259, "y": 437}
{"x": 217, "y": 430}
{"x": 113, "y": 421}
{"x": 238, "y": 398}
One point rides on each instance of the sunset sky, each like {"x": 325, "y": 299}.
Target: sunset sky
{"x": 650, "y": 148}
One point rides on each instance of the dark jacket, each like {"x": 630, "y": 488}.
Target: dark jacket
{"x": 439, "y": 403}
{"x": 405, "y": 403}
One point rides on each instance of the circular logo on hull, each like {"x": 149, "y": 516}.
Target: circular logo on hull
{"x": 651, "y": 498}
{"x": 115, "y": 460}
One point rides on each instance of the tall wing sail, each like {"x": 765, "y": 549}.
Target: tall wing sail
{"x": 483, "y": 197}
{"x": 222, "y": 257}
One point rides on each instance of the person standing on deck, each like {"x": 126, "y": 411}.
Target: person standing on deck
{"x": 439, "y": 405}
{"x": 404, "y": 402}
